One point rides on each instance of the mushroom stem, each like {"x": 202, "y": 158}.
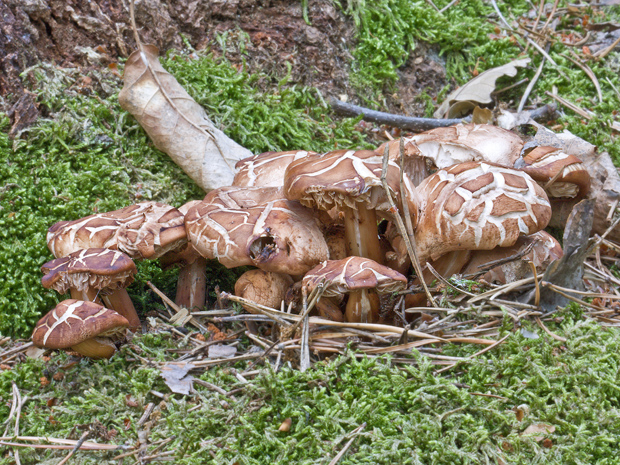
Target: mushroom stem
{"x": 362, "y": 307}
{"x": 97, "y": 347}
{"x": 89, "y": 295}
{"x": 361, "y": 233}
{"x": 329, "y": 310}
{"x": 192, "y": 284}
{"x": 120, "y": 302}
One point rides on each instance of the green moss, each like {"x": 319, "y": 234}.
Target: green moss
{"x": 90, "y": 156}
{"x": 412, "y": 415}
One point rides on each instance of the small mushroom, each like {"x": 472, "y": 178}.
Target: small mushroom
{"x": 92, "y": 273}
{"x": 256, "y": 226}
{"x": 85, "y": 327}
{"x": 363, "y": 279}
{"x": 146, "y": 230}
{"x": 266, "y": 169}
{"x": 477, "y": 206}
{"x": 263, "y": 287}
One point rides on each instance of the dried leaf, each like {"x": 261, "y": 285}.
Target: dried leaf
{"x": 35, "y": 352}
{"x": 480, "y": 88}
{"x": 222, "y": 351}
{"x": 538, "y": 428}
{"x": 176, "y": 376}
{"x": 176, "y": 123}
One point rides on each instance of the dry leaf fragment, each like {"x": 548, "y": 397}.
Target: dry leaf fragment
{"x": 176, "y": 376}
{"x": 538, "y": 428}
{"x": 176, "y": 123}
{"x": 222, "y": 351}
{"x": 480, "y": 88}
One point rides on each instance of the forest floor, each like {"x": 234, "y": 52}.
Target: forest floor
{"x": 264, "y": 71}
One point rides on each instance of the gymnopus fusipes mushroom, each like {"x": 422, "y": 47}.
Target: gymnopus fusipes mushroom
{"x": 355, "y": 276}
{"x": 90, "y": 274}
{"x": 146, "y": 230}
{"x": 85, "y": 327}
{"x": 477, "y": 206}
{"x": 256, "y": 226}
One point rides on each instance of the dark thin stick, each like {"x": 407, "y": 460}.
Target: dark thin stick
{"x": 397, "y": 121}
{"x": 77, "y": 446}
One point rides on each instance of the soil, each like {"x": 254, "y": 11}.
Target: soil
{"x": 74, "y": 33}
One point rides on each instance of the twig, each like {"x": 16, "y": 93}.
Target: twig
{"x": 586, "y": 69}
{"x": 486, "y": 349}
{"x": 267, "y": 311}
{"x": 353, "y": 435}
{"x": 530, "y": 86}
{"x": 398, "y": 121}
{"x": 304, "y": 359}
{"x": 446, "y": 282}
{"x": 174, "y": 306}
{"x": 536, "y": 284}
{"x": 75, "y": 449}
{"x": 453, "y": 2}
{"x": 603, "y": 53}
{"x": 401, "y": 226}
{"x": 546, "y": 330}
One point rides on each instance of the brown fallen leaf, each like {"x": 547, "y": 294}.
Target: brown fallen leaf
{"x": 538, "y": 428}
{"x": 480, "y": 88}
{"x": 176, "y": 123}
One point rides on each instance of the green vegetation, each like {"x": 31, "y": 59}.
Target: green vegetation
{"x": 412, "y": 415}
{"x": 90, "y": 156}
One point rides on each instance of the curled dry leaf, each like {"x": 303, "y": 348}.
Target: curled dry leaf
{"x": 176, "y": 123}
{"x": 480, "y": 88}
{"x": 538, "y": 428}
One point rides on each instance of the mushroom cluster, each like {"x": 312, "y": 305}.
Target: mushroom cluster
{"x": 475, "y": 194}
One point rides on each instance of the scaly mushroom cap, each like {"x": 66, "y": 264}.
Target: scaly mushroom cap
{"x": 562, "y": 175}
{"x": 72, "y": 322}
{"x": 266, "y": 169}
{"x": 90, "y": 268}
{"x": 353, "y": 273}
{"x": 344, "y": 177}
{"x": 256, "y": 226}
{"x": 468, "y": 142}
{"x": 544, "y": 249}
{"x": 477, "y": 206}
{"x": 145, "y": 230}
{"x": 263, "y": 287}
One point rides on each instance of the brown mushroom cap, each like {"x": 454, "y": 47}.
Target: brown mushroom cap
{"x": 351, "y": 274}
{"x": 256, "y": 226}
{"x": 468, "y": 142}
{"x": 263, "y": 287}
{"x": 266, "y": 169}
{"x": 477, "y": 206}
{"x": 562, "y": 175}
{"x": 73, "y": 322}
{"x": 90, "y": 268}
{"x": 342, "y": 177}
{"x": 544, "y": 249}
{"x": 145, "y": 230}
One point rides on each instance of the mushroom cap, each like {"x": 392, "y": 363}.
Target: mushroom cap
{"x": 256, "y": 226}
{"x": 263, "y": 287}
{"x": 266, "y": 169}
{"x": 477, "y": 206}
{"x": 353, "y": 273}
{"x": 146, "y": 230}
{"x": 344, "y": 177}
{"x": 544, "y": 249}
{"x": 561, "y": 175}
{"x": 468, "y": 142}
{"x": 72, "y": 322}
{"x": 89, "y": 268}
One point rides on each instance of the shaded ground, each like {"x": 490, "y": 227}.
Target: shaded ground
{"x": 270, "y": 36}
